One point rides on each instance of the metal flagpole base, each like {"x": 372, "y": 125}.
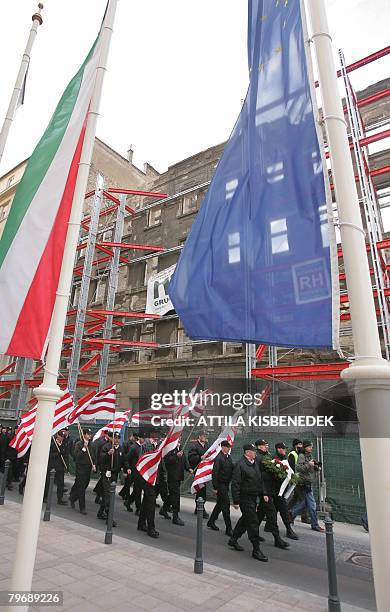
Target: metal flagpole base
{"x": 198, "y": 563}
{"x": 370, "y": 383}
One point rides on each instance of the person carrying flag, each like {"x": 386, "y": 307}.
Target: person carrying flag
{"x": 57, "y": 461}
{"x": 222, "y": 475}
{"x": 111, "y": 463}
{"x": 84, "y": 457}
{"x": 195, "y": 455}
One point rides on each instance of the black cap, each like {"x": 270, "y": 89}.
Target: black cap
{"x": 280, "y": 445}
{"x": 116, "y": 435}
{"x": 261, "y": 442}
{"x": 87, "y": 431}
{"x": 203, "y": 433}
{"x": 60, "y": 433}
{"x": 296, "y": 441}
{"x": 307, "y": 443}
{"x": 226, "y": 443}
{"x": 247, "y": 447}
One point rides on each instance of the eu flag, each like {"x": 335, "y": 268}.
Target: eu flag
{"x": 256, "y": 266}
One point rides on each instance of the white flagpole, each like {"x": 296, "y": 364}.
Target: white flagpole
{"x": 49, "y": 392}
{"x": 370, "y": 373}
{"x": 37, "y": 21}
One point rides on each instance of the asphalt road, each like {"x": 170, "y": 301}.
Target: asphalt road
{"x": 302, "y": 566}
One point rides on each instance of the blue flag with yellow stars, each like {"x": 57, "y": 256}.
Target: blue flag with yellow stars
{"x": 260, "y": 262}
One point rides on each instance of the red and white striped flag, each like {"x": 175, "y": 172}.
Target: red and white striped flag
{"x": 25, "y": 432}
{"x": 114, "y": 426}
{"x": 100, "y": 406}
{"x": 20, "y": 442}
{"x": 147, "y": 465}
{"x": 204, "y": 471}
{"x": 63, "y": 407}
{"x": 145, "y": 416}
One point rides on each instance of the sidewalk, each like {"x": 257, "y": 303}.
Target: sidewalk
{"x": 127, "y": 575}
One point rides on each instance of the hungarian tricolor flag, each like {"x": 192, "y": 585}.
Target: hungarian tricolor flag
{"x": 32, "y": 244}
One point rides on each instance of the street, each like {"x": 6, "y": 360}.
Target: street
{"x": 302, "y": 566}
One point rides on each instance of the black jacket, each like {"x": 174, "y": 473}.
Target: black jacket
{"x": 97, "y": 446}
{"x": 106, "y": 461}
{"x": 195, "y": 453}
{"x": 271, "y": 483}
{"x": 222, "y": 470}
{"x": 81, "y": 456}
{"x": 57, "y": 457}
{"x": 247, "y": 480}
{"x": 131, "y": 458}
{"x": 175, "y": 466}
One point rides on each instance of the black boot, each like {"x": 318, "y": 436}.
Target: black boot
{"x": 229, "y": 532}
{"x": 152, "y": 533}
{"x": 258, "y": 554}
{"x": 279, "y": 543}
{"x": 290, "y": 533}
{"x": 211, "y": 525}
{"x": 176, "y": 520}
{"x": 234, "y": 544}
{"x": 163, "y": 512}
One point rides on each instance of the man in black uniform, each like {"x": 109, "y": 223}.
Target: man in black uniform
{"x": 222, "y": 475}
{"x": 176, "y": 463}
{"x": 195, "y": 455}
{"x": 272, "y": 484}
{"x": 58, "y": 463}
{"x": 84, "y": 457}
{"x": 111, "y": 462}
{"x": 97, "y": 446}
{"x": 247, "y": 486}
{"x": 124, "y": 493}
{"x": 135, "y": 451}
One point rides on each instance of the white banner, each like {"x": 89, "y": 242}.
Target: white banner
{"x": 158, "y": 301}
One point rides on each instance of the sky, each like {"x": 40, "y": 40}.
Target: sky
{"x": 177, "y": 69}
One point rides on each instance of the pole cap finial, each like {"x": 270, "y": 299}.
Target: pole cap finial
{"x": 37, "y": 16}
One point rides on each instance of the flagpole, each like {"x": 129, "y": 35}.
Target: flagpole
{"x": 49, "y": 392}
{"x": 37, "y": 21}
{"x": 369, "y": 374}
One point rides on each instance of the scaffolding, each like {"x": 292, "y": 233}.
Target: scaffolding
{"x": 91, "y": 333}
{"x": 376, "y": 246}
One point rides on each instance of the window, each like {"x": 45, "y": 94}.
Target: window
{"x": 231, "y": 187}
{"x": 184, "y": 348}
{"x": 4, "y": 210}
{"x": 100, "y": 290}
{"x": 324, "y": 225}
{"x": 10, "y": 180}
{"x": 275, "y": 172}
{"x": 234, "y": 247}
{"x": 151, "y": 267}
{"x": 76, "y": 296}
{"x": 279, "y": 236}
{"x": 189, "y": 203}
{"x": 154, "y": 216}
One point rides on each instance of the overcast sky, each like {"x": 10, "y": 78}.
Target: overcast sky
{"x": 177, "y": 68}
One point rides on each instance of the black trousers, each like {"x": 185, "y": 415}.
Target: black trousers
{"x": 201, "y": 493}
{"x": 105, "y": 503}
{"x": 174, "y": 496}
{"x": 222, "y": 505}
{"x": 161, "y": 489}
{"x": 269, "y": 510}
{"x": 248, "y": 521}
{"x": 137, "y": 490}
{"x": 148, "y": 507}
{"x": 281, "y": 507}
{"x": 58, "y": 481}
{"x": 124, "y": 493}
{"x": 79, "y": 487}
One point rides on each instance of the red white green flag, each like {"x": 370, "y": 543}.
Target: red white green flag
{"x": 32, "y": 244}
